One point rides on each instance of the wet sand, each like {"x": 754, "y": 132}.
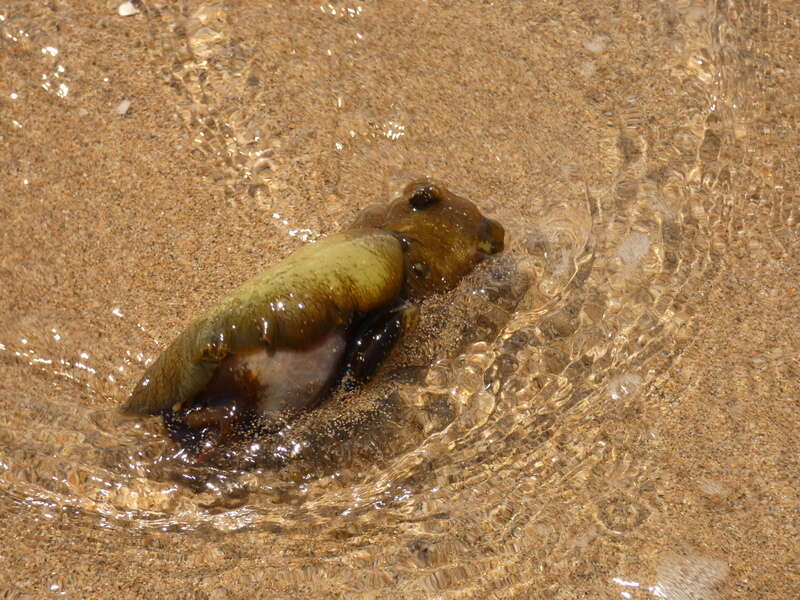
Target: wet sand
{"x": 643, "y": 444}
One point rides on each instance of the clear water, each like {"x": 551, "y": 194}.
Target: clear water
{"x": 640, "y": 154}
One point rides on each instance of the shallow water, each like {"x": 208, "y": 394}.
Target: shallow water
{"x": 623, "y": 427}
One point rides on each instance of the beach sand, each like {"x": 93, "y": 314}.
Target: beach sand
{"x": 631, "y": 432}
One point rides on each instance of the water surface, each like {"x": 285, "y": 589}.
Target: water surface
{"x": 623, "y": 424}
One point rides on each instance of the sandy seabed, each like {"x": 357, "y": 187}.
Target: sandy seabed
{"x": 630, "y": 433}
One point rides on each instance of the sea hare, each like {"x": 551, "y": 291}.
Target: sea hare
{"x": 321, "y": 320}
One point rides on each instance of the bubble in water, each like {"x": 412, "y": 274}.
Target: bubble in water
{"x": 624, "y": 386}
{"x": 691, "y": 577}
{"x": 632, "y": 249}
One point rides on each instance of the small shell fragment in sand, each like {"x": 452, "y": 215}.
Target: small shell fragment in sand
{"x": 123, "y": 107}
{"x": 126, "y": 9}
{"x": 597, "y": 44}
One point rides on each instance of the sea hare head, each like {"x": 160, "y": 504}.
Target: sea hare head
{"x": 444, "y": 236}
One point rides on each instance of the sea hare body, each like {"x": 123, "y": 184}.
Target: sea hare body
{"x": 324, "y": 318}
